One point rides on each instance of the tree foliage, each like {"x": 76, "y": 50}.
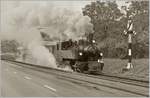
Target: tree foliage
{"x": 9, "y": 46}
{"x": 141, "y": 26}
{"x": 109, "y": 23}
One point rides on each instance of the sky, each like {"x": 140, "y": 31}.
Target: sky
{"x": 75, "y": 4}
{"x": 30, "y": 12}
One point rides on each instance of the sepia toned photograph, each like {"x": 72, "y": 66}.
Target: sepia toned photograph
{"x": 74, "y": 48}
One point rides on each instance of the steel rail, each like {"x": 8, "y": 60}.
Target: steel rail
{"x": 125, "y": 80}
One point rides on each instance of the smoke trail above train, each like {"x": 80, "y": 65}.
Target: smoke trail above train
{"x": 62, "y": 21}
{"x": 20, "y": 20}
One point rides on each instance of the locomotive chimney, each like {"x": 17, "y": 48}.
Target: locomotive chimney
{"x": 90, "y": 38}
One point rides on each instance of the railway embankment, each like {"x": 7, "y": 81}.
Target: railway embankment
{"x": 139, "y": 71}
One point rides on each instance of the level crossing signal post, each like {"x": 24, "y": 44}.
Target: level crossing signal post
{"x": 129, "y": 32}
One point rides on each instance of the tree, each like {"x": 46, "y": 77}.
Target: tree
{"x": 109, "y": 24}
{"x": 105, "y": 17}
{"x": 141, "y": 26}
{"x": 9, "y": 46}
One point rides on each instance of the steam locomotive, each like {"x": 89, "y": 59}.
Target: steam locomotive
{"x": 82, "y": 55}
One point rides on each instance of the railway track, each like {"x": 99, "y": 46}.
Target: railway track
{"x": 132, "y": 86}
{"x": 125, "y": 80}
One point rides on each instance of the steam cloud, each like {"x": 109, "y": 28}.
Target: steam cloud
{"x": 20, "y": 20}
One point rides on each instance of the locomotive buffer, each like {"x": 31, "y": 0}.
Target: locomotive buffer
{"x": 101, "y": 61}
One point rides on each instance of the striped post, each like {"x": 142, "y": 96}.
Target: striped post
{"x": 129, "y": 65}
{"x": 129, "y": 32}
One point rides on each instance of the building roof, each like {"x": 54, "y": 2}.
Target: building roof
{"x": 49, "y": 43}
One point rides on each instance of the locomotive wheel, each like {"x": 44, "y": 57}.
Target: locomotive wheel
{"x": 72, "y": 65}
{"x": 85, "y": 68}
{"x": 82, "y": 67}
{"x": 76, "y": 68}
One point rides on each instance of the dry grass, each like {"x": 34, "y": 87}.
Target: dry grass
{"x": 115, "y": 66}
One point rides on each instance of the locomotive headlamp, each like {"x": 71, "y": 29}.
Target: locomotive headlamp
{"x": 93, "y": 41}
{"x": 98, "y": 60}
{"x": 80, "y": 53}
{"x": 101, "y": 54}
